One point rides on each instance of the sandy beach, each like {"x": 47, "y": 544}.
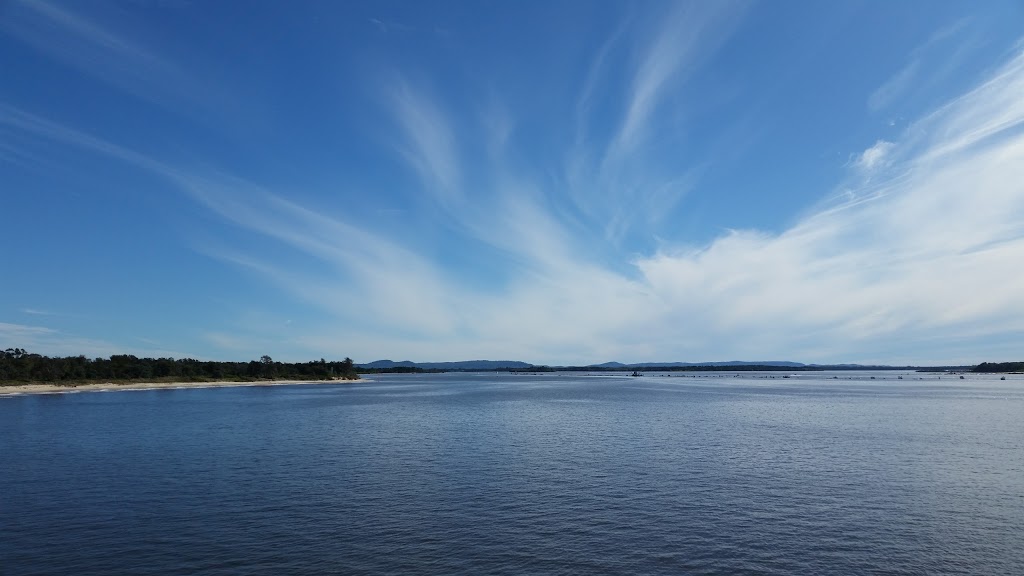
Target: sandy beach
{"x": 110, "y": 386}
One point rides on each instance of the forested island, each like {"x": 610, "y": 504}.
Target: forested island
{"x": 991, "y": 367}
{"x": 18, "y": 367}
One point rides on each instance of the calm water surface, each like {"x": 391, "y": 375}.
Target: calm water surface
{"x": 502, "y": 474}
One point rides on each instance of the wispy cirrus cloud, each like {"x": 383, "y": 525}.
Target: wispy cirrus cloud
{"x": 114, "y": 56}
{"x": 429, "y": 145}
{"x": 16, "y": 332}
{"x": 613, "y": 180}
{"x": 41, "y": 339}
{"x": 390, "y": 26}
{"x": 27, "y": 125}
{"x": 37, "y": 312}
{"x": 688, "y": 36}
{"x": 916, "y": 73}
{"x": 357, "y": 265}
{"x": 363, "y": 265}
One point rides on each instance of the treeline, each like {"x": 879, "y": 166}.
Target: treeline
{"x": 19, "y": 366}
{"x": 1000, "y": 367}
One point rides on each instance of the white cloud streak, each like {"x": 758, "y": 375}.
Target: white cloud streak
{"x": 431, "y": 148}
{"x": 895, "y": 86}
{"x": 43, "y": 340}
{"x": 392, "y": 285}
{"x": 687, "y": 36}
{"x": 112, "y": 55}
{"x": 32, "y": 124}
{"x": 909, "y": 77}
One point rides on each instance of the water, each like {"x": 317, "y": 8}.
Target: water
{"x": 502, "y": 474}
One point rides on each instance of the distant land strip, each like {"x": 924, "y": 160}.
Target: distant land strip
{"x": 515, "y": 367}
{"x": 19, "y": 367}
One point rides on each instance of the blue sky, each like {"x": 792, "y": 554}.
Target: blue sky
{"x": 553, "y": 182}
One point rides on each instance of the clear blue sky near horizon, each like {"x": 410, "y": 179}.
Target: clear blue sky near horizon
{"x": 553, "y": 182}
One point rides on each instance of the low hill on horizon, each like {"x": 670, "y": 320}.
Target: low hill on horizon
{"x": 463, "y": 365}
{"x": 782, "y": 363}
{"x": 489, "y": 365}
{"x": 515, "y": 364}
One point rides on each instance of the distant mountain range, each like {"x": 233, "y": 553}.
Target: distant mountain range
{"x": 487, "y": 365}
{"x": 723, "y": 364}
{"x": 508, "y": 364}
{"x": 465, "y": 365}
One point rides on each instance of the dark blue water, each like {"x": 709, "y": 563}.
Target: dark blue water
{"x": 501, "y": 474}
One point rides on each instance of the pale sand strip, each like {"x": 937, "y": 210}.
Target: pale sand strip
{"x": 109, "y": 386}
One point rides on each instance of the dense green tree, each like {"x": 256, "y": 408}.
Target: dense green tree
{"x": 1000, "y": 367}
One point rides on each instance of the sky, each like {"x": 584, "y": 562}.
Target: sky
{"x": 567, "y": 182}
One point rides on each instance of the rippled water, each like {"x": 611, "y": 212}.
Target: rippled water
{"x": 502, "y": 474}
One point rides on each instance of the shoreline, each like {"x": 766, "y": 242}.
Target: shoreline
{"x": 38, "y": 388}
